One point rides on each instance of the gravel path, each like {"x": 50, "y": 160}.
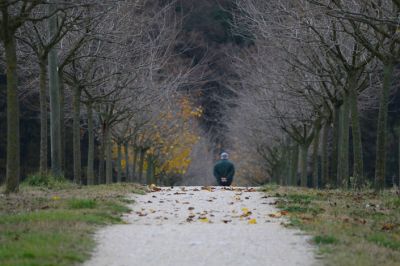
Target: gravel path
{"x": 202, "y": 226}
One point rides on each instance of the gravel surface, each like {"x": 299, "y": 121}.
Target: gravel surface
{"x": 202, "y": 226}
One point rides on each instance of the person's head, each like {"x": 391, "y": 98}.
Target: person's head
{"x": 224, "y": 156}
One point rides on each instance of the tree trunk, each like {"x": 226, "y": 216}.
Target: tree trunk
{"x": 153, "y": 172}
{"x": 358, "y": 168}
{"x": 303, "y": 166}
{"x": 315, "y": 160}
{"x": 43, "y": 116}
{"x": 90, "y": 163}
{"x": 380, "y": 166}
{"x": 135, "y": 155}
{"x": 109, "y": 166}
{"x": 335, "y": 147}
{"x": 13, "y": 141}
{"x": 324, "y": 156}
{"x": 294, "y": 165}
{"x": 76, "y": 134}
{"x": 119, "y": 160}
{"x": 62, "y": 115}
{"x": 102, "y": 149}
{"x": 126, "y": 149}
{"x": 141, "y": 164}
{"x": 149, "y": 169}
{"x": 54, "y": 100}
{"x": 343, "y": 166}
{"x": 398, "y": 138}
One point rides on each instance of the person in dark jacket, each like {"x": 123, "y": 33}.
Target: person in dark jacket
{"x": 224, "y": 170}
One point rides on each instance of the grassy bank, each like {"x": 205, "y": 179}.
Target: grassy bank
{"x": 350, "y": 228}
{"x": 55, "y": 226}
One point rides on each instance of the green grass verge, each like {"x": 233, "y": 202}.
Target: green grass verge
{"x": 55, "y": 226}
{"x": 349, "y": 228}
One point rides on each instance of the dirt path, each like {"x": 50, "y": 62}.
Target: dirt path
{"x": 194, "y": 226}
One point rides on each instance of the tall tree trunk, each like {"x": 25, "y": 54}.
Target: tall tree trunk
{"x": 13, "y": 141}
{"x": 119, "y": 160}
{"x": 315, "y": 157}
{"x": 153, "y": 172}
{"x": 126, "y": 149}
{"x": 76, "y": 134}
{"x": 101, "y": 175}
{"x": 43, "y": 115}
{"x": 324, "y": 156}
{"x": 109, "y": 166}
{"x": 303, "y": 165}
{"x": 135, "y": 155}
{"x": 149, "y": 169}
{"x": 335, "y": 147}
{"x": 398, "y": 159}
{"x": 294, "y": 165}
{"x": 62, "y": 116}
{"x": 90, "y": 163}
{"x": 54, "y": 99}
{"x": 141, "y": 164}
{"x": 358, "y": 168}
{"x": 343, "y": 169}
{"x": 380, "y": 166}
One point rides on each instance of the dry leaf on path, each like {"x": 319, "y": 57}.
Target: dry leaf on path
{"x": 203, "y": 219}
{"x": 252, "y": 221}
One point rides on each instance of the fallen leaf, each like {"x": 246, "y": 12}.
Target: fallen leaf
{"x": 154, "y": 188}
{"x": 388, "y": 226}
{"x": 284, "y": 213}
{"x": 203, "y": 219}
{"x": 55, "y": 198}
{"x": 226, "y": 221}
{"x": 191, "y": 208}
{"x": 275, "y": 215}
{"x": 252, "y": 221}
{"x": 246, "y": 212}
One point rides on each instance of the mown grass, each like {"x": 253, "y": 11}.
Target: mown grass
{"x": 54, "y": 225}
{"x": 349, "y": 228}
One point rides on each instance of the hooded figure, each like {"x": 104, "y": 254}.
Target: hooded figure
{"x": 224, "y": 170}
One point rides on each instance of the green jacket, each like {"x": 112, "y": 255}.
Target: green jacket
{"x": 224, "y": 168}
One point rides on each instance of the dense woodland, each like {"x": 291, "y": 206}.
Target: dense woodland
{"x": 299, "y": 92}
